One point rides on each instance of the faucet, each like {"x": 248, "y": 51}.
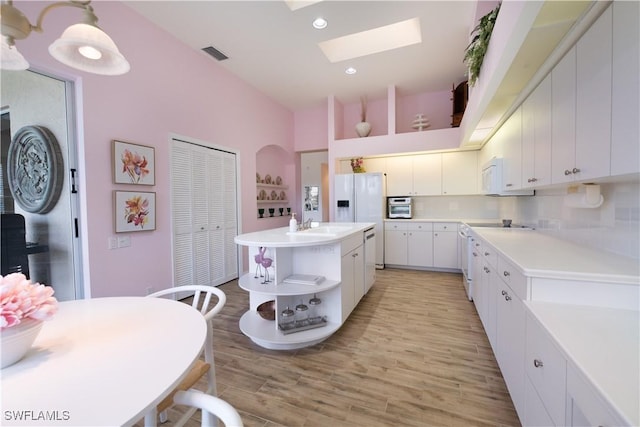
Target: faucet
{"x": 306, "y": 224}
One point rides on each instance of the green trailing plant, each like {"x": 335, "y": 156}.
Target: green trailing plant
{"x": 475, "y": 52}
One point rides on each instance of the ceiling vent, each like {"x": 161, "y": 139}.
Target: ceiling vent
{"x": 215, "y": 53}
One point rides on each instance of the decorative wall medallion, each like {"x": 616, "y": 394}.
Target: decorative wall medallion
{"x": 35, "y": 169}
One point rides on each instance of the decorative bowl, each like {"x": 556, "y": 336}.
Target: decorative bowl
{"x": 17, "y": 340}
{"x": 267, "y": 310}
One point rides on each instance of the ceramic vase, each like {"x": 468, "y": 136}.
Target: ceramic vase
{"x": 17, "y": 340}
{"x": 363, "y": 129}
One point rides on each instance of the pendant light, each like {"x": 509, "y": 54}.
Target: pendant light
{"x": 82, "y": 46}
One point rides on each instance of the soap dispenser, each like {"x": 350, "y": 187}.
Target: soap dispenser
{"x": 293, "y": 224}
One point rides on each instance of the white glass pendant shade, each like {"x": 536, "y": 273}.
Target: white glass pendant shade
{"x": 11, "y": 58}
{"x": 88, "y": 48}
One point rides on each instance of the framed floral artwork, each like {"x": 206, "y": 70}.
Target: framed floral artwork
{"x": 133, "y": 164}
{"x": 134, "y": 211}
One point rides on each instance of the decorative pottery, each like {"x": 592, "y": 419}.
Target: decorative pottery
{"x": 363, "y": 129}
{"x": 17, "y": 340}
{"x": 261, "y": 212}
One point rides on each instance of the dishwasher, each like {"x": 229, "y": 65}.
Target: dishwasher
{"x": 369, "y": 258}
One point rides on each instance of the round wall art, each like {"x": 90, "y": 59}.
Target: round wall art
{"x": 35, "y": 169}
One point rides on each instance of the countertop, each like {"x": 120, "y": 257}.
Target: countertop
{"x": 323, "y": 233}
{"x": 541, "y": 255}
{"x": 604, "y": 344}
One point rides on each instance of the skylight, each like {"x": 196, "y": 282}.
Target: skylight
{"x": 381, "y": 39}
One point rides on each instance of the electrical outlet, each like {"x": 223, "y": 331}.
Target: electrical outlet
{"x": 112, "y": 242}
{"x": 124, "y": 241}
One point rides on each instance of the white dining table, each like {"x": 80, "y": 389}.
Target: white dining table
{"x": 102, "y": 362}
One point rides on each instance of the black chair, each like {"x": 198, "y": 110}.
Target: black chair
{"x": 14, "y": 257}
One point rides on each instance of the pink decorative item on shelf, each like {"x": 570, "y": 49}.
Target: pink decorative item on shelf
{"x": 23, "y": 307}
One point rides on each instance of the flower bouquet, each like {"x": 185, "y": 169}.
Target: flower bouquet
{"x": 357, "y": 165}
{"x": 23, "y": 307}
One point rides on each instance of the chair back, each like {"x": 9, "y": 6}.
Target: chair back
{"x": 201, "y": 298}
{"x": 211, "y": 407}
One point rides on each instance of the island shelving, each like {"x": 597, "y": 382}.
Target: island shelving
{"x": 334, "y": 251}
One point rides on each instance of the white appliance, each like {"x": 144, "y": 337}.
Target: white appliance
{"x": 369, "y": 258}
{"x": 465, "y": 246}
{"x": 492, "y": 180}
{"x": 360, "y": 197}
{"x": 400, "y": 207}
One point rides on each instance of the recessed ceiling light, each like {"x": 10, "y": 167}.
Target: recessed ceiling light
{"x": 319, "y": 23}
{"x": 350, "y": 70}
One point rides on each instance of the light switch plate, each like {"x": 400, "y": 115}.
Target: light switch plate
{"x": 112, "y": 243}
{"x": 124, "y": 241}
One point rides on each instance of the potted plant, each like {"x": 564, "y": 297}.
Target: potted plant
{"x": 474, "y": 53}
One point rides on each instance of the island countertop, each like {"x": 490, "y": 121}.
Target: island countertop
{"x": 323, "y": 233}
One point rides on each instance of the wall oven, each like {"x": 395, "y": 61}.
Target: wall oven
{"x": 400, "y": 207}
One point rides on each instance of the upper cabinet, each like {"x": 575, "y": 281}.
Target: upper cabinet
{"x": 593, "y": 99}
{"x": 563, "y": 122}
{"x": 625, "y": 131}
{"x": 536, "y": 136}
{"x": 460, "y": 173}
{"x": 419, "y": 175}
{"x": 511, "y": 135}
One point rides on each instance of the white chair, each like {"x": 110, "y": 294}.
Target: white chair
{"x": 211, "y": 407}
{"x": 202, "y": 297}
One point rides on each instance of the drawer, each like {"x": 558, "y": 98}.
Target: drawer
{"x": 420, "y": 226}
{"x": 489, "y": 254}
{"x": 399, "y": 226}
{"x": 546, "y": 368}
{"x": 350, "y": 243}
{"x": 445, "y": 226}
{"x": 512, "y": 277}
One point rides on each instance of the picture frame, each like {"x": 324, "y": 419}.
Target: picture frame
{"x": 134, "y": 211}
{"x": 133, "y": 164}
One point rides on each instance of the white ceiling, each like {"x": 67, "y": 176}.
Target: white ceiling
{"x": 276, "y": 49}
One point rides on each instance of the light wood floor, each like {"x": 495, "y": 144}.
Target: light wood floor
{"x": 412, "y": 353}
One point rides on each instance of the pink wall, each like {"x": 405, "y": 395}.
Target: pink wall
{"x": 311, "y": 129}
{"x": 171, "y": 89}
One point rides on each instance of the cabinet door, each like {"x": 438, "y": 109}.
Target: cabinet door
{"x": 445, "y": 249}
{"x": 420, "y": 248}
{"x": 399, "y": 176}
{"x": 510, "y": 338}
{"x": 395, "y": 247}
{"x": 427, "y": 175}
{"x": 375, "y": 164}
{"x": 460, "y": 173}
{"x": 563, "y": 122}
{"x": 625, "y": 126}
{"x": 347, "y": 284}
{"x": 593, "y": 96}
{"x": 511, "y": 133}
{"x": 358, "y": 274}
{"x": 536, "y": 136}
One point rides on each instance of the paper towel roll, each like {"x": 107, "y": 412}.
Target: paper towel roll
{"x": 592, "y": 194}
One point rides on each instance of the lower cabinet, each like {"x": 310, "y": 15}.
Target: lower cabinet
{"x": 445, "y": 245}
{"x": 421, "y": 244}
{"x": 352, "y": 280}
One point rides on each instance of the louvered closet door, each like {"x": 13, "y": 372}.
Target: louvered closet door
{"x": 203, "y": 185}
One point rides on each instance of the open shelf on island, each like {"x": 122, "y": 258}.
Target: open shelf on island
{"x": 252, "y": 284}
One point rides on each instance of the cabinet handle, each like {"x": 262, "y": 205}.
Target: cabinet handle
{"x": 486, "y": 270}
{"x": 567, "y": 172}
{"x": 475, "y": 254}
{"x": 532, "y": 179}
{"x": 445, "y": 227}
{"x": 201, "y": 228}
{"x": 477, "y": 244}
{"x": 435, "y": 234}
{"x": 537, "y": 363}
{"x": 487, "y": 254}
{"x": 575, "y": 170}
{"x": 506, "y": 273}
{"x": 507, "y": 297}
{"x": 504, "y": 292}
{"x": 509, "y": 185}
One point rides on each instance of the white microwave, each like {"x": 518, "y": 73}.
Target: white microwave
{"x": 492, "y": 180}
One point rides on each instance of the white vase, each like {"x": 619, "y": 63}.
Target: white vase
{"x": 363, "y": 129}
{"x": 17, "y": 340}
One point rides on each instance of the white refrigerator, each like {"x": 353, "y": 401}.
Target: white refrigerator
{"x": 360, "y": 197}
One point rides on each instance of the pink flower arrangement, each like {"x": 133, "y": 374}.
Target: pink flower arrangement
{"x": 20, "y": 299}
{"x": 357, "y": 165}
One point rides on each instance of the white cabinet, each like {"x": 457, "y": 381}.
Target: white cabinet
{"x": 445, "y": 244}
{"x": 584, "y": 406}
{"x": 546, "y": 369}
{"x": 409, "y": 244}
{"x": 563, "y": 122}
{"x": 204, "y": 218}
{"x": 352, "y": 286}
{"x": 460, "y": 173}
{"x": 625, "y": 126}
{"x": 593, "y": 100}
{"x": 419, "y": 175}
{"x": 511, "y": 133}
{"x": 536, "y": 136}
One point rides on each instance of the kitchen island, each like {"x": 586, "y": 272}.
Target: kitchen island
{"x": 282, "y": 268}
